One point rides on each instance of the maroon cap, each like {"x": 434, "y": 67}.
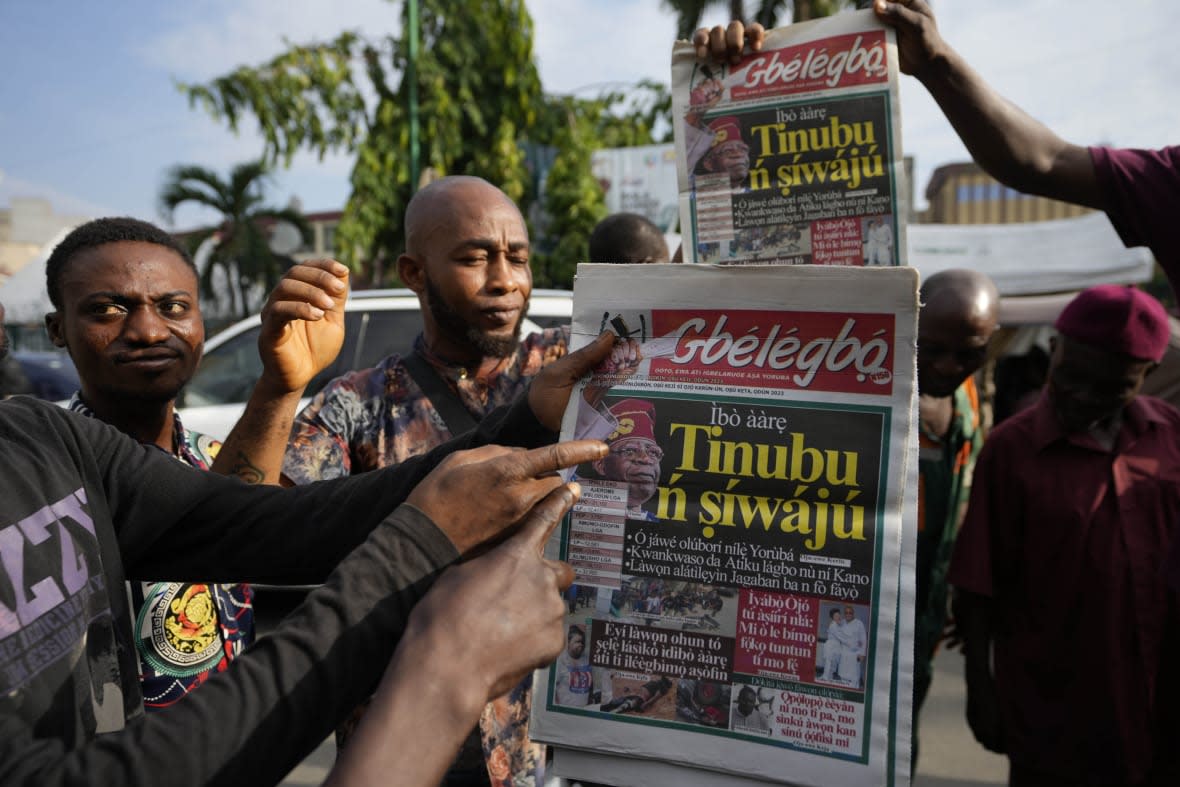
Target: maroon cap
{"x": 1120, "y": 319}
{"x": 636, "y": 421}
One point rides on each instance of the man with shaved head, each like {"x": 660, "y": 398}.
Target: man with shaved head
{"x": 955, "y": 324}
{"x": 467, "y": 258}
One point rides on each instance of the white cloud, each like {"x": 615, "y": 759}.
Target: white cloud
{"x": 63, "y": 202}
{"x": 211, "y": 37}
{"x": 587, "y": 42}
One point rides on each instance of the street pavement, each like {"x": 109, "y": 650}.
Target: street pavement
{"x": 950, "y": 757}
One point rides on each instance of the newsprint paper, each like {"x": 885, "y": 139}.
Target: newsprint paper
{"x": 738, "y": 551}
{"x": 794, "y": 154}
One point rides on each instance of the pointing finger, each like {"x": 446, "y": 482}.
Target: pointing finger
{"x": 538, "y": 525}
{"x": 551, "y": 458}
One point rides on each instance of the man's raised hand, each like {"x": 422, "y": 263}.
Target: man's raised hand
{"x": 303, "y": 324}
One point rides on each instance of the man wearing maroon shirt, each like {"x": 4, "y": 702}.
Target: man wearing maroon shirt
{"x": 1068, "y": 626}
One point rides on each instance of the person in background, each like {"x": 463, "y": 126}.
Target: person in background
{"x": 1070, "y": 632}
{"x": 627, "y": 238}
{"x": 955, "y": 326}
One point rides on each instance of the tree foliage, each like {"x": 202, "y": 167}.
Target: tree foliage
{"x": 481, "y": 109}
{"x": 478, "y": 92}
{"x": 241, "y": 249}
{"x": 572, "y": 199}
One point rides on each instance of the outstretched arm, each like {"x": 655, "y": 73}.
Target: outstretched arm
{"x": 482, "y": 626}
{"x": 1009, "y": 144}
{"x": 302, "y": 332}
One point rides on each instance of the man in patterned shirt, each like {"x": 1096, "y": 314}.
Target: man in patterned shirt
{"x": 126, "y": 304}
{"x": 467, "y": 258}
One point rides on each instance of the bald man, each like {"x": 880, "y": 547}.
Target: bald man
{"x": 467, "y": 258}
{"x": 957, "y": 320}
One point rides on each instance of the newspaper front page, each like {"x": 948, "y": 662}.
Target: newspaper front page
{"x": 738, "y": 551}
{"x": 793, "y": 155}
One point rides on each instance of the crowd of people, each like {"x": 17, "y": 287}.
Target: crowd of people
{"x": 129, "y": 653}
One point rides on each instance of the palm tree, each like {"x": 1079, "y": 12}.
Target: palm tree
{"x": 689, "y": 12}
{"x": 241, "y": 249}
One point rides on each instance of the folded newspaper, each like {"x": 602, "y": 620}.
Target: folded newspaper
{"x": 793, "y": 155}
{"x": 738, "y": 551}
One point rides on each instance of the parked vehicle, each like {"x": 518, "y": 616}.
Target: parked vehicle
{"x": 51, "y": 374}
{"x": 377, "y": 323}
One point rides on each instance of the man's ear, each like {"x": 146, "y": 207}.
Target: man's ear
{"x": 53, "y": 328}
{"x": 599, "y": 467}
{"x": 412, "y": 273}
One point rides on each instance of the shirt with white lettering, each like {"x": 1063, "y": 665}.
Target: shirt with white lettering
{"x": 185, "y": 631}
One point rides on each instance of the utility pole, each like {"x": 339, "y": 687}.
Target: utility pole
{"x": 412, "y": 75}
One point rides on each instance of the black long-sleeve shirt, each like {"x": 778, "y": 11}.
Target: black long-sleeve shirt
{"x": 83, "y": 507}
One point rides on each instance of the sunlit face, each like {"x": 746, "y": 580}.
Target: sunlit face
{"x": 636, "y": 461}
{"x": 475, "y": 275}
{"x": 131, "y": 322}
{"x": 1088, "y": 385}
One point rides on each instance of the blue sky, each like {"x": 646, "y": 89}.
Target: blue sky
{"x": 90, "y": 117}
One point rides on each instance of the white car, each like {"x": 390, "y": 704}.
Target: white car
{"x": 377, "y": 323}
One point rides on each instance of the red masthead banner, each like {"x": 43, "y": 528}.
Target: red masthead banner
{"x": 815, "y": 351}
{"x": 830, "y": 63}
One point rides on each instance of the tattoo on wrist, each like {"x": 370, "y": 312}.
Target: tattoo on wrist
{"x": 247, "y": 470}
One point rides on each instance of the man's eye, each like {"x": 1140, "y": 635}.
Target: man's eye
{"x": 174, "y": 308}
{"x": 105, "y": 309}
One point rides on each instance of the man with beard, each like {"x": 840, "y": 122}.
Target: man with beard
{"x": 1069, "y": 631}
{"x": 125, "y": 295}
{"x": 467, "y": 258}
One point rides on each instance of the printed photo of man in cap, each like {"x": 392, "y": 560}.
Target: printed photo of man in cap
{"x": 718, "y": 148}
{"x": 1069, "y": 629}
{"x": 634, "y": 456}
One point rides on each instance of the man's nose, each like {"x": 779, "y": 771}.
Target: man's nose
{"x": 500, "y": 275}
{"x": 947, "y": 364}
{"x": 145, "y": 326}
